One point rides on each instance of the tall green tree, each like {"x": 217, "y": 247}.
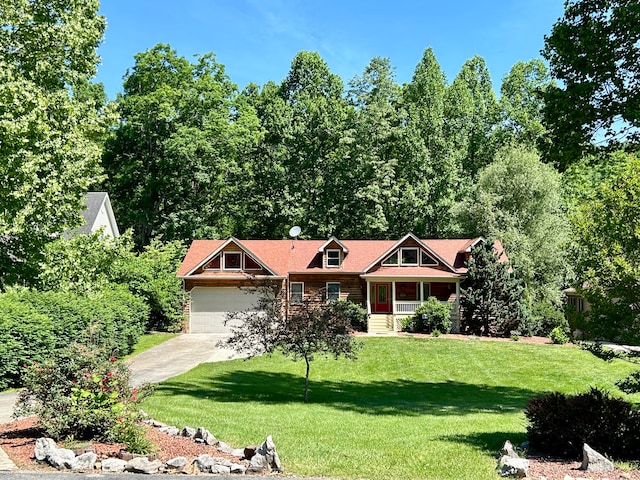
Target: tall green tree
{"x": 471, "y": 113}
{"x": 492, "y": 297}
{"x": 430, "y": 168}
{"x": 522, "y": 103}
{"x": 594, "y": 50}
{"x": 49, "y": 154}
{"x": 607, "y": 240}
{"x": 518, "y": 199}
{"x": 173, "y": 163}
{"x": 377, "y": 126}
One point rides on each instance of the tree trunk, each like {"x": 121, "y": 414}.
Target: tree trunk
{"x": 306, "y": 382}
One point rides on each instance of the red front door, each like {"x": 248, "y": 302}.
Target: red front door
{"x": 381, "y": 301}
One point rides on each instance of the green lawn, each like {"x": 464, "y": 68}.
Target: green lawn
{"x": 148, "y": 341}
{"x": 410, "y": 408}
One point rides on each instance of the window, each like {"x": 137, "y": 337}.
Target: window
{"x": 425, "y": 259}
{"x": 251, "y": 264}
{"x": 333, "y": 258}
{"x": 409, "y": 256}
{"x": 391, "y": 259}
{"x": 333, "y": 291}
{"x": 232, "y": 260}
{"x": 296, "y": 292}
{"x": 407, "y": 291}
{"x": 214, "y": 264}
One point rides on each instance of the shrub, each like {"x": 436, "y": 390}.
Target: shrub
{"x": 25, "y": 336}
{"x": 559, "y": 336}
{"x": 630, "y": 384}
{"x": 353, "y": 313}
{"x": 560, "y": 424}
{"x": 431, "y": 315}
{"x": 545, "y": 317}
{"x": 79, "y": 393}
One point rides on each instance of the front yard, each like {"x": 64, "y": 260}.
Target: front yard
{"x": 427, "y": 408}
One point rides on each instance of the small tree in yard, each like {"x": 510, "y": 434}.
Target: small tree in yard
{"x": 492, "y": 300}
{"x": 313, "y": 328}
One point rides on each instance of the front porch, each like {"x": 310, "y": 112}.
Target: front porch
{"x": 388, "y": 302}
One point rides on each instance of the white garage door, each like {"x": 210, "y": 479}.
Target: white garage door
{"x": 210, "y": 305}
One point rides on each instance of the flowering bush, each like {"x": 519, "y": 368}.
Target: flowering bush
{"x": 82, "y": 394}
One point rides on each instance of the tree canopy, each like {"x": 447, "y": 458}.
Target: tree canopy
{"x": 594, "y": 50}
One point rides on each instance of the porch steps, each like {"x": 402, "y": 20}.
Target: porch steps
{"x": 381, "y": 325}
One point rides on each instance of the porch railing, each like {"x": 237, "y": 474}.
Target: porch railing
{"x": 407, "y": 308}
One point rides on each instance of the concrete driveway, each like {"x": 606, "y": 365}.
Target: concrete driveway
{"x": 171, "y": 358}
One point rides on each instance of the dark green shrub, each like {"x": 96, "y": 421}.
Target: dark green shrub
{"x": 431, "y": 315}
{"x": 355, "y": 314}
{"x": 25, "y": 336}
{"x": 560, "y": 424}
{"x": 545, "y": 317}
{"x": 630, "y": 384}
{"x": 81, "y": 394}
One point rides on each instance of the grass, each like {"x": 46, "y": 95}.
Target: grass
{"x": 148, "y": 341}
{"x": 411, "y": 408}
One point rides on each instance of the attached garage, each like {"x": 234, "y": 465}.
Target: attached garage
{"x": 209, "y": 307}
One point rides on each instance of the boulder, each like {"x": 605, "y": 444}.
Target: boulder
{"x": 513, "y": 467}
{"x": 205, "y": 436}
{"x": 143, "y": 465}
{"x": 61, "y": 458}
{"x": 250, "y": 451}
{"x": 204, "y": 463}
{"x": 508, "y": 450}
{"x": 173, "y": 431}
{"x": 593, "y": 461}
{"x": 113, "y": 465}
{"x": 220, "y": 469}
{"x": 238, "y": 468}
{"x": 265, "y": 458}
{"x": 86, "y": 461}
{"x": 176, "y": 464}
{"x": 44, "y": 446}
{"x": 188, "y": 432}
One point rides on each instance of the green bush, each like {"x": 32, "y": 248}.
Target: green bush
{"x": 355, "y": 314}
{"x": 81, "y": 394}
{"x": 559, "y": 336}
{"x": 545, "y": 317}
{"x": 431, "y": 315}
{"x": 630, "y": 384}
{"x": 560, "y": 424}
{"x": 25, "y": 336}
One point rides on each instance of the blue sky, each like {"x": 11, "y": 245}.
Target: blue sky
{"x": 257, "y": 39}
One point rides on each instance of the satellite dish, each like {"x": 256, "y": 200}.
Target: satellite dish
{"x": 295, "y": 231}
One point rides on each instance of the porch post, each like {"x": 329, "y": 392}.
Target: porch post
{"x": 392, "y": 296}
{"x": 368, "y": 298}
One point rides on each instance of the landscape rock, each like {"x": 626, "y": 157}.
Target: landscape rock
{"x": 204, "y": 463}
{"x": 61, "y": 458}
{"x": 250, "y": 451}
{"x": 593, "y": 461}
{"x": 188, "y": 432}
{"x": 266, "y": 458}
{"x": 513, "y": 467}
{"x": 86, "y": 461}
{"x": 113, "y": 465}
{"x": 238, "y": 468}
{"x": 143, "y": 465}
{"x": 508, "y": 450}
{"x": 44, "y": 446}
{"x": 220, "y": 469}
{"x": 172, "y": 431}
{"x": 176, "y": 464}
{"x": 205, "y": 436}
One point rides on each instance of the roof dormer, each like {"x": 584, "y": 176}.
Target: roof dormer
{"x": 333, "y": 253}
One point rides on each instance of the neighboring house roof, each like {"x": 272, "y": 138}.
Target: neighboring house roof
{"x": 98, "y": 213}
{"x": 362, "y": 257}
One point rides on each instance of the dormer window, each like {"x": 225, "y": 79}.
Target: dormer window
{"x": 250, "y": 263}
{"x": 425, "y": 259}
{"x": 232, "y": 260}
{"x": 391, "y": 259}
{"x": 214, "y": 264}
{"x": 333, "y": 258}
{"x": 409, "y": 256}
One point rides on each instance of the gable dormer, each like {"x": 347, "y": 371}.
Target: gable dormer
{"x": 333, "y": 253}
{"x": 410, "y": 252}
{"x": 232, "y": 258}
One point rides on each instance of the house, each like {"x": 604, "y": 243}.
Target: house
{"x": 391, "y": 278}
{"x": 98, "y": 214}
